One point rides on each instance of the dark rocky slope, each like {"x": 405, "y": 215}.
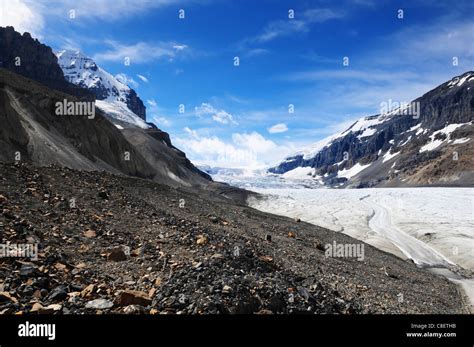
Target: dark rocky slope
{"x": 191, "y": 252}
{"x": 31, "y": 128}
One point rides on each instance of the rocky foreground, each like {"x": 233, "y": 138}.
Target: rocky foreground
{"x": 113, "y": 244}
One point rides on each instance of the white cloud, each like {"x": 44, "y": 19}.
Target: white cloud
{"x": 278, "y": 128}
{"x": 219, "y": 116}
{"x": 152, "y": 102}
{"x": 30, "y": 15}
{"x": 243, "y": 150}
{"x": 143, "y": 78}
{"x": 105, "y": 10}
{"x": 23, "y": 16}
{"x": 161, "y": 121}
{"x": 127, "y": 80}
{"x": 140, "y": 52}
{"x": 301, "y": 23}
{"x": 180, "y": 47}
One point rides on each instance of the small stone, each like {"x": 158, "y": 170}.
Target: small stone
{"x": 90, "y": 233}
{"x": 133, "y": 297}
{"x": 81, "y": 266}
{"x": 202, "y": 240}
{"x": 266, "y": 258}
{"x": 50, "y": 309}
{"x": 217, "y": 256}
{"x": 60, "y": 267}
{"x": 8, "y": 310}
{"x": 291, "y": 235}
{"x": 54, "y": 307}
{"x": 27, "y": 270}
{"x": 87, "y": 291}
{"x": 226, "y": 289}
{"x": 152, "y": 292}
{"x": 320, "y": 246}
{"x": 58, "y": 294}
{"x": 134, "y": 309}
{"x": 116, "y": 254}
{"x": 268, "y": 238}
{"x": 100, "y": 304}
{"x": 5, "y": 296}
{"x": 103, "y": 194}
{"x": 37, "y": 307}
{"x": 197, "y": 265}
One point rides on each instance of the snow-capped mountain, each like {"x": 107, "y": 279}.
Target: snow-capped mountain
{"x": 429, "y": 141}
{"x": 115, "y": 98}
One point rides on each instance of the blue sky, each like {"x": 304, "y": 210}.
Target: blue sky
{"x": 239, "y": 115}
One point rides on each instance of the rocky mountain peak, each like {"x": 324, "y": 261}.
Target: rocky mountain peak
{"x": 28, "y": 57}
{"x": 83, "y": 71}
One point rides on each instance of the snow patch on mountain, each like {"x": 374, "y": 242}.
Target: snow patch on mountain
{"x": 457, "y": 81}
{"x": 387, "y": 156}
{"x": 119, "y": 110}
{"x": 112, "y": 95}
{"x": 300, "y": 173}
{"x": 435, "y": 143}
{"x": 354, "y": 170}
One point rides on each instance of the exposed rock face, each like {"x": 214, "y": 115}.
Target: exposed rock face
{"x": 402, "y": 148}
{"x": 31, "y": 129}
{"x": 136, "y": 104}
{"x": 28, "y": 57}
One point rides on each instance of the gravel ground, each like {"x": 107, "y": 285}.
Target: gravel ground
{"x": 113, "y": 244}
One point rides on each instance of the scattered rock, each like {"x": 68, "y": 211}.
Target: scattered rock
{"x": 103, "y": 194}
{"x": 87, "y": 291}
{"x": 6, "y": 297}
{"x": 291, "y": 234}
{"x": 37, "y": 307}
{"x": 202, "y": 240}
{"x": 133, "y": 297}
{"x": 266, "y": 258}
{"x": 100, "y": 304}
{"x": 58, "y": 294}
{"x": 116, "y": 254}
{"x": 51, "y": 309}
{"x": 27, "y": 270}
{"x": 137, "y": 252}
{"x": 134, "y": 309}
{"x": 90, "y": 233}
{"x": 268, "y": 238}
{"x": 226, "y": 289}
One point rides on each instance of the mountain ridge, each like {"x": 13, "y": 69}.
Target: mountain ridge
{"x": 397, "y": 149}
